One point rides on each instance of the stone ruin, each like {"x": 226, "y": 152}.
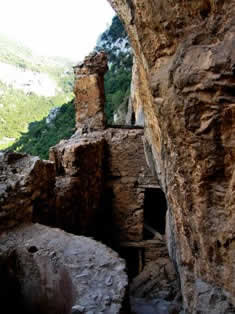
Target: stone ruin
{"x": 97, "y": 184}
{"x": 43, "y": 269}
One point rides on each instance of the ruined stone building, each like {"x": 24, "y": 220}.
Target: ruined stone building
{"x": 104, "y": 187}
{"x": 96, "y": 184}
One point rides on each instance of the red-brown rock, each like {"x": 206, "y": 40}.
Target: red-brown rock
{"x": 184, "y": 53}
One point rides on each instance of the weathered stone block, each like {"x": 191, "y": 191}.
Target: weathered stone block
{"x": 79, "y": 183}
{"x": 26, "y": 189}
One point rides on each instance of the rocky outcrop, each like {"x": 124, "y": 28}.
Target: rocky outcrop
{"x": 184, "y": 54}
{"x": 26, "y": 189}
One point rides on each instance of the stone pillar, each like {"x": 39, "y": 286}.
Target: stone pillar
{"x": 89, "y": 92}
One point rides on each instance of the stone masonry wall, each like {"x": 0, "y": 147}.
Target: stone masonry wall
{"x": 126, "y": 177}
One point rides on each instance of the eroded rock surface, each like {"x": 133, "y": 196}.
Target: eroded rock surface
{"x": 55, "y": 271}
{"x": 26, "y": 188}
{"x": 185, "y": 57}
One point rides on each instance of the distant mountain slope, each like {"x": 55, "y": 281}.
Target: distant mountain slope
{"x": 118, "y": 79}
{"x": 29, "y": 87}
{"x": 28, "y": 81}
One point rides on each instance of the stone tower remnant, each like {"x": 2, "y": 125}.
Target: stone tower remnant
{"x": 89, "y": 92}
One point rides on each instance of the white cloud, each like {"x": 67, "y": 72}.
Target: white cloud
{"x": 67, "y": 28}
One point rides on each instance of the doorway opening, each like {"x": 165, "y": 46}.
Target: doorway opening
{"x": 155, "y": 207}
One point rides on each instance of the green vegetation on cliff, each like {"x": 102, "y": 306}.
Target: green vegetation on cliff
{"x": 118, "y": 79}
{"x": 17, "y": 110}
{"x": 43, "y": 134}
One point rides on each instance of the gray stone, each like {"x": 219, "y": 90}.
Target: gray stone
{"x": 78, "y": 309}
{"x": 87, "y": 262}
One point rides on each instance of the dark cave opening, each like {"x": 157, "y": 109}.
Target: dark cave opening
{"x": 155, "y": 207}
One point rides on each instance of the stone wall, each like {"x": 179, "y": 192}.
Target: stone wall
{"x": 127, "y": 175}
{"x": 102, "y": 176}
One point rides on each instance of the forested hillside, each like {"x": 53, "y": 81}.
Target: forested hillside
{"x": 29, "y": 87}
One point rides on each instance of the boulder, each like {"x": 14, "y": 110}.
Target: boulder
{"x": 49, "y": 271}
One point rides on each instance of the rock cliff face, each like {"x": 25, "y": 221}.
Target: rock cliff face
{"x": 185, "y": 79}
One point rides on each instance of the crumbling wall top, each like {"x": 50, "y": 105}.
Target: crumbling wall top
{"x": 95, "y": 63}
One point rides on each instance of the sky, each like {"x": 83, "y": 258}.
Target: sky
{"x": 67, "y": 28}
